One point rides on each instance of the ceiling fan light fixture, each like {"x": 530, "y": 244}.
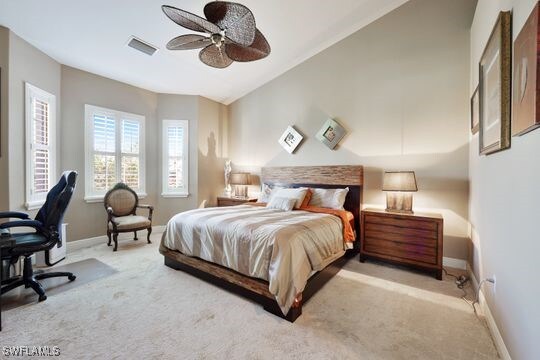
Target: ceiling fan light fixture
{"x": 232, "y": 34}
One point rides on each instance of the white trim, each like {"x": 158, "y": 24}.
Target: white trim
{"x": 34, "y": 201}
{"x": 102, "y": 239}
{"x": 99, "y": 198}
{"x": 490, "y": 320}
{"x": 118, "y": 116}
{"x": 455, "y": 263}
{"x": 166, "y": 191}
{"x": 174, "y": 195}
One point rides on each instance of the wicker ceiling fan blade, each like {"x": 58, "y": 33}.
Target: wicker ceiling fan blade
{"x": 215, "y": 56}
{"x": 258, "y": 50}
{"x": 189, "y": 42}
{"x": 236, "y": 19}
{"x": 190, "y": 21}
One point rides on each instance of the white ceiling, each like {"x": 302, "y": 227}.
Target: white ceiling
{"x": 92, "y": 36}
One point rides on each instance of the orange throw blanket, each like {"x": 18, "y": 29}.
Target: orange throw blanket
{"x": 345, "y": 216}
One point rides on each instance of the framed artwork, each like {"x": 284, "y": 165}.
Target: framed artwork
{"x": 475, "y": 112}
{"x": 526, "y": 96}
{"x": 331, "y": 133}
{"x": 290, "y": 139}
{"x": 495, "y": 87}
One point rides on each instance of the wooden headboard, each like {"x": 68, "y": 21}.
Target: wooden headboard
{"x": 327, "y": 177}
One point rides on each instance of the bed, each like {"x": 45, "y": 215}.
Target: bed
{"x": 276, "y": 258}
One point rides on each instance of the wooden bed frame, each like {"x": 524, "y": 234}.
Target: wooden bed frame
{"x": 295, "y": 176}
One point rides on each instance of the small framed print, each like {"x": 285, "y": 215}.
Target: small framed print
{"x": 331, "y": 133}
{"x": 475, "y": 112}
{"x": 495, "y": 87}
{"x": 290, "y": 139}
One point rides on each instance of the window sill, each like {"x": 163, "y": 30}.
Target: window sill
{"x": 34, "y": 205}
{"x": 174, "y": 195}
{"x": 99, "y": 198}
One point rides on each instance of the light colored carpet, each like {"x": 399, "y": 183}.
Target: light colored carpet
{"x": 146, "y": 310}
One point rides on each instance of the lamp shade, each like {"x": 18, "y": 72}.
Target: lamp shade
{"x": 399, "y": 181}
{"x": 239, "y": 179}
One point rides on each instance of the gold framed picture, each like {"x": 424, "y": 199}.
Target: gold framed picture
{"x": 495, "y": 87}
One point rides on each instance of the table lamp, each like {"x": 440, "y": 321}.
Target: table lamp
{"x": 399, "y": 186}
{"x": 240, "y": 179}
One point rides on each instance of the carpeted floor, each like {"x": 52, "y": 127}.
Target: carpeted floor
{"x": 146, "y": 310}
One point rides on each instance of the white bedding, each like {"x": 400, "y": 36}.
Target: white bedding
{"x": 283, "y": 248}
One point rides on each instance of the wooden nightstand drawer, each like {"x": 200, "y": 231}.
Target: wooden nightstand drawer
{"x": 410, "y": 239}
{"x": 226, "y": 201}
{"x": 404, "y": 251}
{"x": 403, "y": 223}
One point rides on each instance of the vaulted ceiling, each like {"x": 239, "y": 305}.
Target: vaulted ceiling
{"x": 92, "y": 36}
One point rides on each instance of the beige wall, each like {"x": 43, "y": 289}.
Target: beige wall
{"x": 399, "y": 87}
{"x": 4, "y": 103}
{"x": 212, "y": 152}
{"x": 27, "y": 64}
{"x": 80, "y": 88}
{"x": 504, "y": 210}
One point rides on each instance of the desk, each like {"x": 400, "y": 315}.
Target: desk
{"x": 6, "y": 241}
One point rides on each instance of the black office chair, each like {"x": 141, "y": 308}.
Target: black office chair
{"x": 47, "y": 225}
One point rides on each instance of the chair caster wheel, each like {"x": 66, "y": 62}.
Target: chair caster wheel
{"x": 72, "y": 277}
{"x": 42, "y": 298}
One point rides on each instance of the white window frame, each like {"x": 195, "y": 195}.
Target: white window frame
{"x": 35, "y": 201}
{"x": 166, "y": 191}
{"x": 89, "y": 111}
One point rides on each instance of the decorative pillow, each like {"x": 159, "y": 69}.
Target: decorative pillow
{"x": 281, "y": 203}
{"x": 293, "y": 193}
{"x": 267, "y": 192}
{"x": 307, "y": 199}
{"x": 328, "y": 198}
{"x": 265, "y": 195}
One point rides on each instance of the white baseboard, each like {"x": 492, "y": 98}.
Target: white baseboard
{"x": 102, "y": 239}
{"x": 455, "y": 263}
{"x": 490, "y": 320}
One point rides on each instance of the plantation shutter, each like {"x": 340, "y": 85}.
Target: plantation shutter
{"x": 175, "y": 157}
{"x": 104, "y": 162}
{"x": 40, "y": 147}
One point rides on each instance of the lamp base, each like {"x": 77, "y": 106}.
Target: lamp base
{"x": 399, "y": 202}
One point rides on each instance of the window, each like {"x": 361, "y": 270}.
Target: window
{"x": 175, "y": 158}
{"x": 40, "y": 118}
{"x": 114, "y": 142}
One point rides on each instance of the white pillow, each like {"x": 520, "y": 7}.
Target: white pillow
{"x": 265, "y": 195}
{"x": 267, "y": 192}
{"x": 328, "y": 198}
{"x": 293, "y": 193}
{"x": 281, "y": 203}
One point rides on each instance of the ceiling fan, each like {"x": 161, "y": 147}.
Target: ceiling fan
{"x": 231, "y": 34}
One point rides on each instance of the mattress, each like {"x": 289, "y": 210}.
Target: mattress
{"x": 283, "y": 248}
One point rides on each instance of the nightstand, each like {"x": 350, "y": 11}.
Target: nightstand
{"x": 232, "y": 201}
{"x": 406, "y": 239}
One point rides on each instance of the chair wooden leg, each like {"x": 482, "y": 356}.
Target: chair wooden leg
{"x": 109, "y": 236}
{"x": 115, "y": 238}
{"x": 135, "y": 236}
{"x": 148, "y": 235}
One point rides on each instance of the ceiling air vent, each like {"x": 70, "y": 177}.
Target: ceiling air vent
{"x": 142, "y": 46}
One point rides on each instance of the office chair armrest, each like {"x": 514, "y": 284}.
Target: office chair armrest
{"x": 22, "y": 223}
{"x": 150, "y": 210}
{"x": 13, "y": 214}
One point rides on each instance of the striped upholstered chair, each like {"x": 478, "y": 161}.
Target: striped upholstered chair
{"x": 121, "y": 203}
